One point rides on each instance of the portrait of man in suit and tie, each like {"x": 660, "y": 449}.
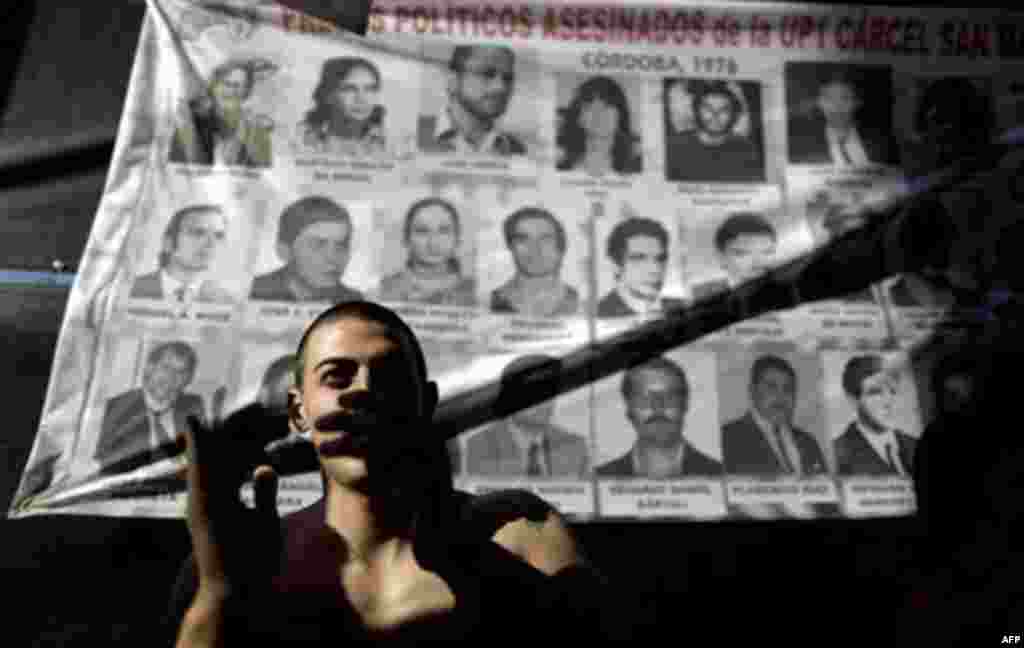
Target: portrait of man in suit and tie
{"x": 147, "y": 424}
{"x": 657, "y": 398}
{"x": 638, "y": 249}
{"x": 745, "y": 244}
{"x": 766, "y": 440}
{"x": 537, "y": 243}
{"x": 189, "y": 247}
{"x": 526, "y": 443}
{"x": 871, "y": 444}
{"x": 314, "y": 241}
{"x": 480, "y": 83}
{"x": 847, "y": 121}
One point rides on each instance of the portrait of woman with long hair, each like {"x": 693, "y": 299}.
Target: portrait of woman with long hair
{"x": 346, "y": 118}
{"x": 432, "y": 235}
{"x": 596, "y": 132}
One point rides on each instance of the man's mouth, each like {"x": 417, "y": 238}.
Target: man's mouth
{"x": 344, "y": 445}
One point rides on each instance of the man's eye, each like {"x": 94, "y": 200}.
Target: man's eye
{"x": 335, "y": 379}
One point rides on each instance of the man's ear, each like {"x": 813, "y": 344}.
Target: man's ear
{"x": 284, "y": 252}
{"x": 296, "y": 411}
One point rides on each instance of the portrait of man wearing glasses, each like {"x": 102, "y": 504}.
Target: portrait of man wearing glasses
{"x": 480, "y": 82}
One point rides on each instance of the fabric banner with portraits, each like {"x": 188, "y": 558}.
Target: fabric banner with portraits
{"x": 523, "y": 184}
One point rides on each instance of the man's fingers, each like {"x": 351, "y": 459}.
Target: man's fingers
{"x": 264, "y": 485}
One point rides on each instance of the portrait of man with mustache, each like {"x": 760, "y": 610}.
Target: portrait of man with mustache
{"x": 657, "y": 398}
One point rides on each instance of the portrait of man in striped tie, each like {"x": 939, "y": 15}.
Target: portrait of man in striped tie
{"x": 526, "y": 442}
{"x": 147, "y": 424}
{"x": 766, "y": 440}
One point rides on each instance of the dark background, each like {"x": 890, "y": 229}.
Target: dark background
{"x": 74, "y": 580}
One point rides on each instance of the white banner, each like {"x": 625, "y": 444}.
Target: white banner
{"x": 520, "y": 182}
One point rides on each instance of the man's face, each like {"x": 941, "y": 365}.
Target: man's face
{"x": 643, "y": 267}
{"x": 748, "y": 255}
{"x": 877, "y": 403}
{"x": 229, "y": 90}
{"x": 838, "y": 102}
{"x": 534, "y": 245}
{"x": 774, "y": 396}
{"x": 657, "y": 407}
{"x": 599, "y": 119}
{"x": 356, "y": 95}
{"x": 432, "y": 237}
{"x": 320, "y": 253}
{"x": 166, "y": 377}
{"x": 484, "y": 84}
{"x": 716, "y": 113}
{"x": 200, "y": 236}
{"x": 353, "y": 366}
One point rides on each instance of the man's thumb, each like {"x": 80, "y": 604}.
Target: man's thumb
{"x": 264, "y": 483}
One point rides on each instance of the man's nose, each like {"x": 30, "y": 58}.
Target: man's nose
{"x": 658, "y": 402}
{"x": 358, "y": 389}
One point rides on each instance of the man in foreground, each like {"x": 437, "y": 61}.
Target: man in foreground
{"x": 392, "y": 551}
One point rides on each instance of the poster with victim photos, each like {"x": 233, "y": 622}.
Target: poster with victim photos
{"x": 587, "y": 195}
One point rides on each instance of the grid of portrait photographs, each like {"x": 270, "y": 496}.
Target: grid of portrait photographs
{"x": 519, "y": 208}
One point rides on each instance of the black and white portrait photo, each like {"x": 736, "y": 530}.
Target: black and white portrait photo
{"x": 193, "y": 243}
{"x": 639, "y": 253}
{"x": 713, "y": 130}
{"x": 745, "y": 245}
{"x": 146, "y": 422}
{"x": 537, "y": 243}
{"x": 658, "y": 420}
{"x": 346, "y": 116}
{"x": 840, "y": 114}
{"x": 598, "y": 126}
{"x": 874, "y": 413}
{"x": 481, "y": 101}
{"x": 313, "y": 244}
{"x": 772, "y": 420}
{"x": 215, "y": 127}
{"x": 435, "y": 262}
{"x": 547, "y": 440}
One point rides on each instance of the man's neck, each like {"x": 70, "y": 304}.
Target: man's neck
{"x": 184, "y": 275}
{"x": 467, "y": 124}
{"x": 636, "y": 302}
{"x": 534, "y": 285}
{"x": 658, "y": 449}
{"x": 872, "y": 427}
{"x": 709, "y": 139}
{"x": 301, "y": 288}
{"x": 367, "y": 538}
{"x": 842, "y": 131}
{"x": 435, "y": 271}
